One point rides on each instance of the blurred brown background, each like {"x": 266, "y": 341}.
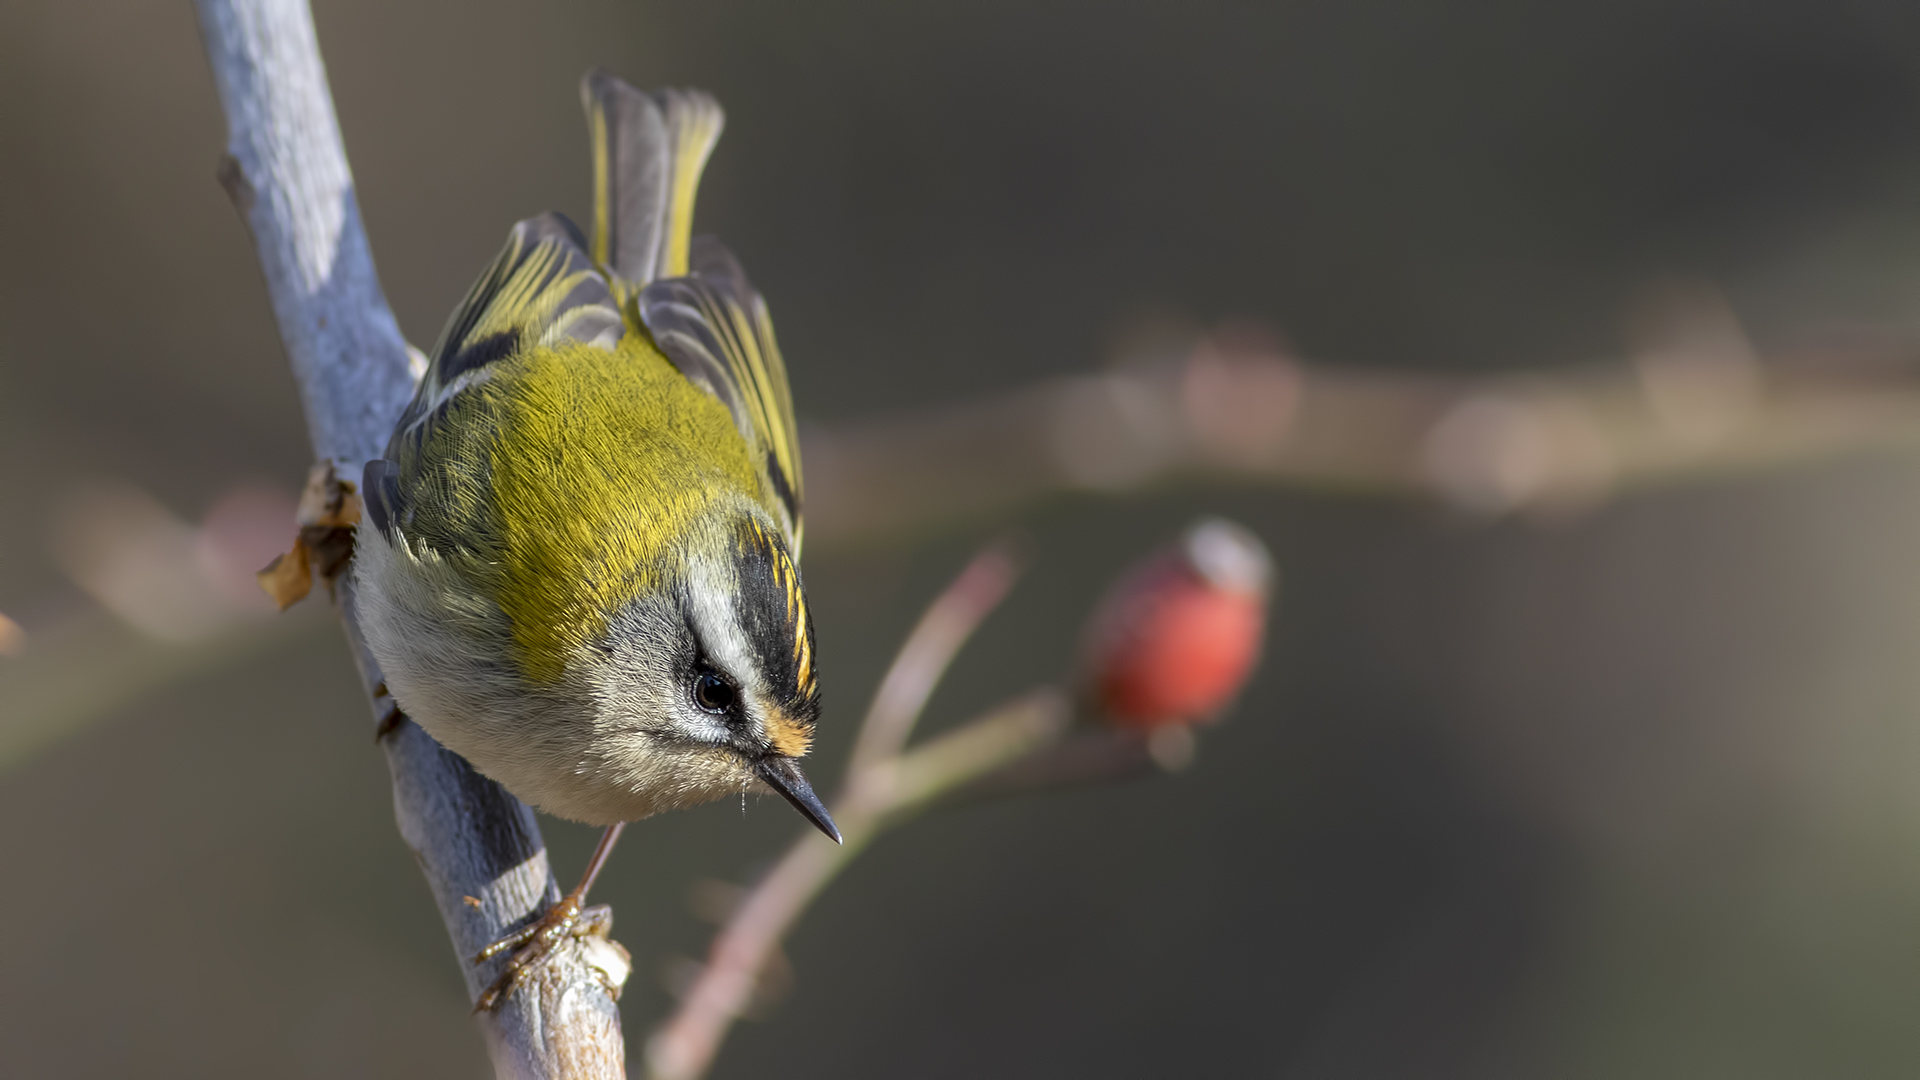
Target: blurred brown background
{"x": 1627, "y": 794}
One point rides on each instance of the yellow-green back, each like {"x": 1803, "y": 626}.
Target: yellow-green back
{"x": 600, "y": 459}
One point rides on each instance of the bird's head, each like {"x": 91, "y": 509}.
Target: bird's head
{"x": 709, "y": 678}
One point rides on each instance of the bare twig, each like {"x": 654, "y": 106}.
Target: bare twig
{"x": 923, "y": 658}
{"x": 881, "y": 782}
{"x": 287, "y": 173}
{"x": 916, "y": 778}
{"x": 683, "y": 1047}
{"x": 1090, "y": 757}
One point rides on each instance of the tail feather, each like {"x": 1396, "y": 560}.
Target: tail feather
{"x": 648, "y": 153}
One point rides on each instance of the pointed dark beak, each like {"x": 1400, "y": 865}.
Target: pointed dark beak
{"x": 783, "y": 776}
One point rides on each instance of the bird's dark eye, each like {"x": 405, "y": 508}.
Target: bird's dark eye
{"x": 712, "y": 692}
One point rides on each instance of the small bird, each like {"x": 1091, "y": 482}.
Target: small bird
{"x": 579, "y": 568}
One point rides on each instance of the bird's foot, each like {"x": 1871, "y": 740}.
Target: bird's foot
{"x": 534, "y": 944}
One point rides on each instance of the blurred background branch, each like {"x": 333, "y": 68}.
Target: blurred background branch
{"x": 1231, "y": 407}
{"x": 1691, "y": 404}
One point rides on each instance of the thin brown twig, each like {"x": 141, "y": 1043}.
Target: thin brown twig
{"x": 923, "y": 658}
{"x": 1091, "y": 757}
{"x": 880, "y": 781}
{"x": 683, "y": 1047}
{"x": 918, "y": 777}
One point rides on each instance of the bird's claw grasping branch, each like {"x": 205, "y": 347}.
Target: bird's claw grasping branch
{"x": 535, "y": 943}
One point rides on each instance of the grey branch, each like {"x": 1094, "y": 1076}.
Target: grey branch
{"x": 479, "y": 847}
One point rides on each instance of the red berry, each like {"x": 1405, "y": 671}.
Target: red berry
{"x": 1175, "y": 639}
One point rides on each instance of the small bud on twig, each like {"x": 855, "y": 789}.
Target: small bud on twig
{"x": 1177, "y": 637}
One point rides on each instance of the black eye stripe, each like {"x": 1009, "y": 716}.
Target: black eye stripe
{"x": 772, "y": 612}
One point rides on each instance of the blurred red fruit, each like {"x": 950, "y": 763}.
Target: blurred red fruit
{"x": 1175, "y": 639}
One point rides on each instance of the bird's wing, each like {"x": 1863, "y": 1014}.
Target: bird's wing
{"x": 541, "y": 290}
{"x": 714, "y": 327}
{"x": 689, "y": 294}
